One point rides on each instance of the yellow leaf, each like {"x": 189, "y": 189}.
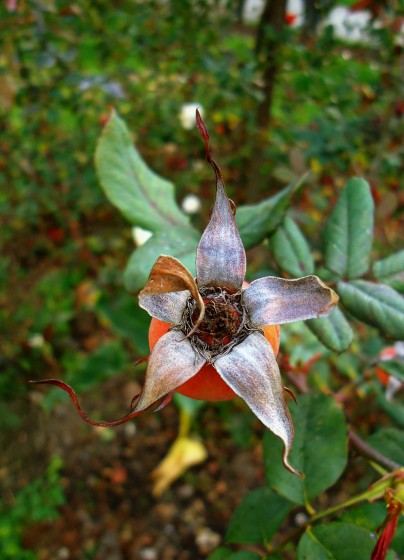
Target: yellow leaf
{"x": 184, "y": 453}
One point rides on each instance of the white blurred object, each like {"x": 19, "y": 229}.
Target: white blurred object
{"x": 301, "y": 519}
{"x": 187, "y": 114}
{"x": 399, "y": 348}
{"x": 399, "y": 38}
{"x": 351, "y": 26}
{"x": 253, "y": 9}
{"x": 36, "y": 341}
{"x": 394, "y": 385}
{"x": 140, "y": 235}
{"x": 295, "y": 8}
{"x": 191, "y": 204}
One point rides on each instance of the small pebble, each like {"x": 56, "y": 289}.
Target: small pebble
{"x": 148, "y": 554}
{"x": 63, "y": 553}
{"x": 300, "y": 519}
{"x": 207, "y": 540}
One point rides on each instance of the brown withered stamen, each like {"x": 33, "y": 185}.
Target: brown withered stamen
{"x": 225, "y": 324}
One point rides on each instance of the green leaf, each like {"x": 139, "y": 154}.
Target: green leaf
{"x": 371, "y": 516}
{"x": 257, "y": 221}
{"x": 334, "y": 331}
{"x": 375, "y": 304}
{"x": 393, "y": 367}
{"x": 291, "y": 250}
{"x": 390, "y": 442}
{"x": 244, "y": 555}
{"x": 395, "y": 409}
{"x": 319, "y": 449}
{"x": 127, "y": 319}
{"x": 223, "y": 553}
{"x": 367, "y": 515}
{"x": 398, "y": 541}
{"x": 86, "y": 371}
{"x": 336, "y": 541}
{"x": 176, "y": 242}
{"x": 257, "y": 518}
{"x": 349, "y": 231}
{"x": 391, "y": 271}
{"x": 144, "y": 198}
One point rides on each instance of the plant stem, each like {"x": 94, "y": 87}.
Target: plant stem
{"x": 348, "y": 503}
{"x": 269, "y": 41}
{"x": 185, "y": 423}
{"x": 370, "y": 453}
{"x": 374, "y": 492}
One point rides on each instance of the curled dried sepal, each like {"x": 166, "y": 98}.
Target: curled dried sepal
{"x": 167, "y": 399}
{"x": 220, "y": 256}
{"x": 73, "y": 396}
{"x": 290, "y": 393}
{"x": 169, "y": 275}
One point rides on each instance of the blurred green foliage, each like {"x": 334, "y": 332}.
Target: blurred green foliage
{"x": 63, "y": 312}
{"x": 38, "y": 501}
{"x": 64, "y": 65}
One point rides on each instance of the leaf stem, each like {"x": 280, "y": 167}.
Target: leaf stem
{"x": 185, "y": 423}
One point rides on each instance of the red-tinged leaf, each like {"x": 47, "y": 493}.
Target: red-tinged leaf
{"x": 389, "y": 528}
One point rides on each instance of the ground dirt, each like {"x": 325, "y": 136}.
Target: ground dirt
{"x": 110, "y": 512}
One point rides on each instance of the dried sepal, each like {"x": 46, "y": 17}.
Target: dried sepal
{"x": 165, "y": 307}
{"x": 170, "y": 275}
{"x": 220, "y": 256}
{"x": 273, "y": 301}
{"x": 167, "y": 399}
{"x": 251, "y": 370}
{"x": 172, "y": 362}
{"x": 290, "y": 393}
{"x": 72, "y": 394}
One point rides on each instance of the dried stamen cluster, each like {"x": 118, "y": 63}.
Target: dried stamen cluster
{"x": 225, "y": 323}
